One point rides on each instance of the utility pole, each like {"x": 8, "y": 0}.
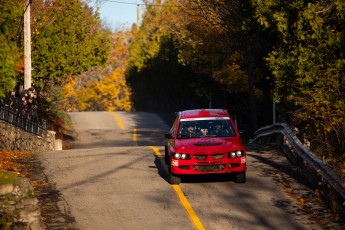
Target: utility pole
{"x": 138, "y": 16}
{"x": 27, "y": 45}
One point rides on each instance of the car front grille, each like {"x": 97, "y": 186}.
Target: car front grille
{"x": 214, "y": 156}
{"x": 209, "y": 168}
{"x": 217, "y": 156}
{"x": 200, "y": 157}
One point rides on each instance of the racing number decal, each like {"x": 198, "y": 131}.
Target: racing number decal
{"x": 174, "y": 162}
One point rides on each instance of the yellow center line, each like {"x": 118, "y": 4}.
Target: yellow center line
{"x": 135, "y": 135}
{"x": 118, "y": 121}
{"x": 188, "y": 207}
{"x": 156, "y": 150}
{"x": 192, "y": 215}
{"x": 122, "y": 127}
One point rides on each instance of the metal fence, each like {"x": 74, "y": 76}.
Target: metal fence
{"x": 319, "y": 174}
{"x": 23, "y": 121}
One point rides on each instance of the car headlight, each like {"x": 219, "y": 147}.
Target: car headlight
{"x": 232, "y": 154}
{"x": 177, "y": 155}
{"x": 238, "y": 153}
{"x": 182, "y": 156}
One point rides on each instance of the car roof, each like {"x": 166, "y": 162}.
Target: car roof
{"x": 195, "y": 113}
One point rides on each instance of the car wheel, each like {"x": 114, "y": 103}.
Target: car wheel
{"x": 166, "y": 156}
{"x": 174, "y": 179}
{"x": 240, "y": 177}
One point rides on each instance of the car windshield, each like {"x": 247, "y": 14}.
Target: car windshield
{"x": 201, "y": 128}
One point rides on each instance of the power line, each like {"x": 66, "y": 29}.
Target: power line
{"x": 127, "y": 3}
{"x": 138, "y": 4}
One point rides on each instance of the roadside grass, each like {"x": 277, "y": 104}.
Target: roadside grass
{"x": 8, "y": 178}
{"x": 65, "y": 118}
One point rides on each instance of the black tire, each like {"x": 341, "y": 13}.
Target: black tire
{"x": 174, "y": 179}
{"x": 240, "y": 177}
{"x": 166, "y": 156}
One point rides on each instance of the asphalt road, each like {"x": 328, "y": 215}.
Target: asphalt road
{"x": 115, "y": 178}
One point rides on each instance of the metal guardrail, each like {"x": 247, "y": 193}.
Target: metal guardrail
{"x": 316, "y": 171}
{"x": 23, "y": 121}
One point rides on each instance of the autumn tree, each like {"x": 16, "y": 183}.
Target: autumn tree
{"x": 222, "y": 45}
{"x": 158, "y": 80}
{"x": 308, "y": 66}
{"x": 68, "y": 39}
{"x": 102, "y": 89}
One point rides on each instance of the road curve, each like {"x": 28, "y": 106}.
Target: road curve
{"x": 113, "y": 179}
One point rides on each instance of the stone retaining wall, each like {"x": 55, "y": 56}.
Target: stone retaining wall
{"x": 19, "y": 209}
{"x": 15, "y": 139}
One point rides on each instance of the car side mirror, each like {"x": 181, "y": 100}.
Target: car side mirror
{"x": 168, "y": 135}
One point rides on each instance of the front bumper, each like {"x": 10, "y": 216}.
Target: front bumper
{"x": 196, "y": 167}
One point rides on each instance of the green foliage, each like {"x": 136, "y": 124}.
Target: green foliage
{"x": 11, "y": 14}
{"x": 163, "y": 84}
{"x": 68, "y": 41}
{"x": 102, "y": 89}
{"x": 147, "y": 42}
{"x": 301, "y": 43}
{"x": 154, "y": 72}
{"x": 310, "y": 61}
{"x": 242, "y": 50}
{"x": 208, "y": 38}
{"x": 7, "y": 66}
{"x": 65, "y": 118}
{"x": 67, "y": 38}
{"x": 8, "y": 178}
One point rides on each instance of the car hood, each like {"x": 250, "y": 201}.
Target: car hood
{"x": 208, "y": 145}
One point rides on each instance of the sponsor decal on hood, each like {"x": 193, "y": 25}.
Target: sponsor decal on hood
{"x": 208, "y": 142}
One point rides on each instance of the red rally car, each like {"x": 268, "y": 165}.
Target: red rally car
{"x": 204, "y": 141}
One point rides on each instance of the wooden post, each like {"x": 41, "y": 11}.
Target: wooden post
{"x": 27, "y": 46}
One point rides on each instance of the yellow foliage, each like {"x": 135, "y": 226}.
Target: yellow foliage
{"x": 233, "y": 77}
{"x": 101, "y": 93}
{"x": 109, "y": 94}
{"x": 68, "y": 94}
{"x": 112, "y": 92}
{"x": 69, "y": 87}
